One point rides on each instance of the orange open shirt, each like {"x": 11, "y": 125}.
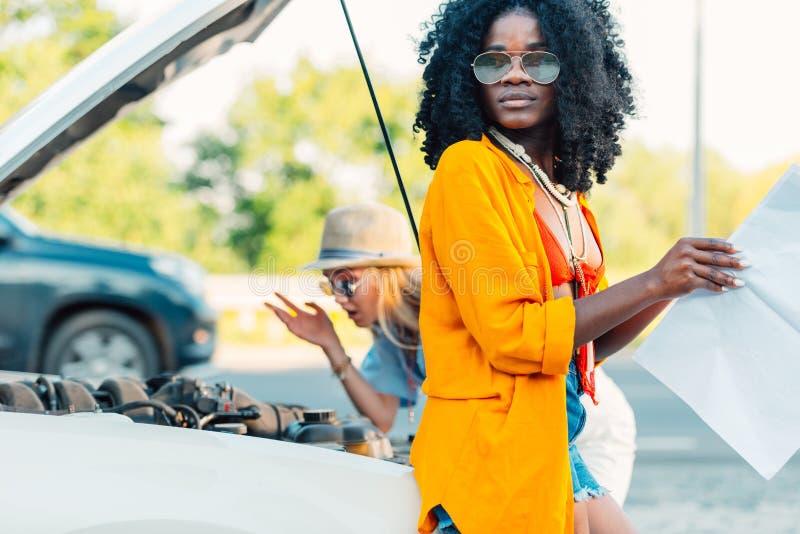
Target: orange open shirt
{"x": 492, "y": 443}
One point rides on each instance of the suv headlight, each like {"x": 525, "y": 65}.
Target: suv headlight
{"x": 186, "y": 272}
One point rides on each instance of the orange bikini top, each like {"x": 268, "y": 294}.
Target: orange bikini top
{"x": 560, "y": 268}
{"x": 561, "y": 272}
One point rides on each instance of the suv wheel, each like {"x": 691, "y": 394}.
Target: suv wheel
{"x": 97, "y": 344}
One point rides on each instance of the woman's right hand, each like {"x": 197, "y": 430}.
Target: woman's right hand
{"x": 696, "y": 263}
{"x": 314, "y": 327}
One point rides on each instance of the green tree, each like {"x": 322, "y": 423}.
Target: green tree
{"x": 51, "y": 36}
{"x": 291, "y": 156}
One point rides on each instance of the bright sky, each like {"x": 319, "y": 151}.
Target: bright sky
{"x": 751, "y": 71}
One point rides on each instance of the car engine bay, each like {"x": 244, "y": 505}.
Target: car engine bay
{"x": 173, "y": 400}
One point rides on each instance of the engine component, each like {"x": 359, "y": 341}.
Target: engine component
{"x": 18, "y": 396}
{"x": 191, "y": 403}
{"x": 357, "y": 435}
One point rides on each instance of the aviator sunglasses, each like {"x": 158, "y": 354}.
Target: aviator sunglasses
{"x": 340, "y": 286}
{"x": 542, "y": 67}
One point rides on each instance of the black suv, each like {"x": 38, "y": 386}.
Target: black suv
{"x": 89, "y": 310}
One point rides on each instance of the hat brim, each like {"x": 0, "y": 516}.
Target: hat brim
{"x": 343, "y": 263}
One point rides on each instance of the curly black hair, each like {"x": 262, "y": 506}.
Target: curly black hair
{"x": 593, "y": 91}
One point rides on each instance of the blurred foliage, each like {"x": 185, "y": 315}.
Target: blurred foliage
{"x": 290, "y": 156}
{"x": 43, "y": 40}
{"x": 258, "y": 189}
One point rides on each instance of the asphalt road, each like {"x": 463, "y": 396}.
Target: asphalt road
{"x": 686, "y": 479}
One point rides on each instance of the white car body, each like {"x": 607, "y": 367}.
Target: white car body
{"x": 102, "y": 473}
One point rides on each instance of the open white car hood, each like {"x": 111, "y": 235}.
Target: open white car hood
{"x": 104, "y": 474}
{"x": 131, "y": 66}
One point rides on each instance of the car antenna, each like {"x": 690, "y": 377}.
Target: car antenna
{"x": 382, "y": 123}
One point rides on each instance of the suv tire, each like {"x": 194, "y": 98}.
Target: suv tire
{"x": 100, "y": 343}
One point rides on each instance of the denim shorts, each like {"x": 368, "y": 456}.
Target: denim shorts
{"x": 584, "y": 485}
{"x": 445, "y": 525}
{"x": 576, "y": 413}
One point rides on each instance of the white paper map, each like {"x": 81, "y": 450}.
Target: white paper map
{"x": 735, "y": 358}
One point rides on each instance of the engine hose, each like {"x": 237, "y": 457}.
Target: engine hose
{"x": 49, "y": 391}
{"x": 229, "y": 417}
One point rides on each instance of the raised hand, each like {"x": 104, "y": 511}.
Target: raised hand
{"x": 314, "y": 327}
{"x": 696, "y": 263}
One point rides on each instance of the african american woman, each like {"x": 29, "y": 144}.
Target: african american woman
{"x": 521, "y": 109}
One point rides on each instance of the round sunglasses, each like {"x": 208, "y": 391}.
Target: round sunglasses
{"x": 340, "y": 286}
{"x": 541, "y": 67}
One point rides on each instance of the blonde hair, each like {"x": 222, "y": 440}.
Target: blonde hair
{"x": 398, "y": 305}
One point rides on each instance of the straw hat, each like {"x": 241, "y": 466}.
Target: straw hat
{"x": 365, "y": 235}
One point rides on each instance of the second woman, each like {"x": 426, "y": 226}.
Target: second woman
{"x": 367, "y": 261}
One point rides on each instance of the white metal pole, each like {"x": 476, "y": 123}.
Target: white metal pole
{"x": 697, "y": 218}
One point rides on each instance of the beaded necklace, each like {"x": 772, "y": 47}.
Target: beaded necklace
{"x": 567, "y": 199}
{"x": 557, "y": 192}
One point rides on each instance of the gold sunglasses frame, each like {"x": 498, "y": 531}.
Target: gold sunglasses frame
{"x": 519, "y": 55}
